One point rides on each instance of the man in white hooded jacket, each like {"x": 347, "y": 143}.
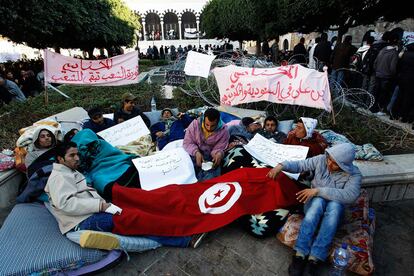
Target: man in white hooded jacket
{"x": 336, "y": 183}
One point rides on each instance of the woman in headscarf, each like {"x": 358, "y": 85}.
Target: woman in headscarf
{"x": 45, "y": 138}
{"x": 304, "y": 134}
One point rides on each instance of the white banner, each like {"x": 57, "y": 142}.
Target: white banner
{"x": 272, "y": 153}
{"x": 165, "y": 168}
{"x": 198, "y": 64}
{"x": 125, "y": 132}
{"x": 118, "y": 70}
{"x": 292, "y": 84}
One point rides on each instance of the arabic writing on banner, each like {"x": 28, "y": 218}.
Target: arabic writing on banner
{"x": 291, "y": 84}
{"x": 118, "y": 70}
{"x": 272, "y": 153}
{"x": 164, "y": 168}
{"x": 175, "y": 77}
{"x": 125, "y": 132}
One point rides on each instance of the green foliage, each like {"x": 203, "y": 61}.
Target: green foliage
{"x": 81, "y": 24}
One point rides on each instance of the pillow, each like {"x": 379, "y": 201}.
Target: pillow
{"x": 154, "y": 116}
{"x": 30, "y": 242}
{"x": 285, "y": 126}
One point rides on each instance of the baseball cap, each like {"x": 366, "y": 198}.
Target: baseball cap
{"x": 128, "y": 97}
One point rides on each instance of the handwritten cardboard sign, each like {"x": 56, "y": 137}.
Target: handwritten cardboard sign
{"x": 272, "y": 153}
{"x": 118, "y": 70}
{"x": 166, "y": 167}
{"x": 198, "y": 64}
{"x": 175, "y": 77}
{"x": 125, "y": 132}
{"x": 291, "y": 84}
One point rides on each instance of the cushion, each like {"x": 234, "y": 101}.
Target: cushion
{"x": 30, "y": 242}
{"x": 357, "y": 231}
{"x": 285, "y": 126}
{"x": 265, "y": 224}
{"x": 154, "y": 116}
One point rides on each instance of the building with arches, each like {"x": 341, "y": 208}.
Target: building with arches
{"x": 170, "y": 23}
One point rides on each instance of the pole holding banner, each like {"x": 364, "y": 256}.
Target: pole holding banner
{"x": 325, "y": 69}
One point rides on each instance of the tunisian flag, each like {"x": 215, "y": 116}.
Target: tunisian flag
{"x": 181, "y": 210}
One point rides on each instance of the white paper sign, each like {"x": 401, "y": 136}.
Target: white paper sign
{"x": 165, "y": 168}
{"x": 273, "y": 154}
{"x": 125, "y": 132}
{"x": 198, "y": 64}
{"x": 173, "y": 145}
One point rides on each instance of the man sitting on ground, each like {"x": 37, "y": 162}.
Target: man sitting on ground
{"x": 129, "y": 110}
{"x": 205, "y": 140}
{"x": 270, "y": 132}
{"x": 97, "y": 122}
{"x": 336, "y": 183}
{"x": 241, "y": 134}
{"x": 77, "y": 206}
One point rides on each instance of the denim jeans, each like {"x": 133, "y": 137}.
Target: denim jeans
{"x": 104, "y": 222}
{"x": 338, "y": 75}
{"x": 328, "y": 214}
{"x": 205, "y": 175}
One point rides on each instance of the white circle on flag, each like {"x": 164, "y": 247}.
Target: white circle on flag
{"x": 219, "y": 198}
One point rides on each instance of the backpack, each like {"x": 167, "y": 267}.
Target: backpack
{"x": 367, "y": 65}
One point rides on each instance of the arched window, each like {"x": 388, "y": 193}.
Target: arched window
{"x": 153, "y": 26}
{"x": 170, "y": 26}
{"x": 188, "y": 25}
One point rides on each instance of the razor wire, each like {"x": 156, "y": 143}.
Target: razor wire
{"x": 341, "y": 93}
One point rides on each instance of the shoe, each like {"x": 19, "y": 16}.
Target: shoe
{"x": 99, "y": 240}
{"x": 312, "y": 268}
{"x": 196, "y": 240}
{"x": 297, "y": 266}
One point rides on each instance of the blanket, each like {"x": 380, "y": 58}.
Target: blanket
{"x": 181, "y": 210}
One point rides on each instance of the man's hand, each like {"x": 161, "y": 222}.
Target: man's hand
{"x": 104, "y": 206}
{"x": 159, "y": 134}
{"x": 306, "y": 195}
{"x": 217, "y": 159}
{"x": 199, "y": 158}
{"x": 275, "y": 171}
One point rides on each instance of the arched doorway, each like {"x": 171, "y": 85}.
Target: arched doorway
{"x": 285, "y": 44}
{"x": 170, "y": 26}
{"x": 188, "y": 26}
{"x": 153, "y": 26}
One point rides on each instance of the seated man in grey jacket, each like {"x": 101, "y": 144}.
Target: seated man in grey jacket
{"x": 336, "y": 183}
{"x": 77, "y": 206}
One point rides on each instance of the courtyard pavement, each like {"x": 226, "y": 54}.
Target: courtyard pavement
{"x": 230, "y": 251}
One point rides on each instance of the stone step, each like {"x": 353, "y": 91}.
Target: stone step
{"x": 391, "y": 179}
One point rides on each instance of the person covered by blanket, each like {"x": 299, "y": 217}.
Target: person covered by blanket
{"x": 45, "y": 138}
{"x": 129, "y": 110}
{"x": 170, "y": 127}
{"x": 304, "y": 134}
{"x": 270, "y": 132}
{"x": 77, "y": 206}
{"x": 97, "y": 122}
{"x": 336, "y": 183}
{"x": 205, "y": 140}
{"x": 242, "y": 133}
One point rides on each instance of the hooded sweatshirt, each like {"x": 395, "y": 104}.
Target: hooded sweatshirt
{"x": 342, "y": 186}
{"x": 194, "y": 139}
{"x": 386, "y": 63}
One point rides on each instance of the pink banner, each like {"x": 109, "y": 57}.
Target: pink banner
{"x": 118, "y": 70}
{"x": 292, "y": 84}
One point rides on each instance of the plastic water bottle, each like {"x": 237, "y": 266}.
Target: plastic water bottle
{"x": 340, "y": 261}
{"x": 153, "y": 104}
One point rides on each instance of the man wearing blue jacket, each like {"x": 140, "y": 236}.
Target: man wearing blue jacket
{"x": 336, "y": 183}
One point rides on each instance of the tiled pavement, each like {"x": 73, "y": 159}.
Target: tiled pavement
{"x": 230, "y": 251}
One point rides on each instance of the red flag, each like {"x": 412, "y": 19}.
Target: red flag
{"x": 181, "y": 210}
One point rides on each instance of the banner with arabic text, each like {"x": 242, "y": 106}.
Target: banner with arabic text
{"x": 292, "y": 84}
{"x": 118, "y": 70}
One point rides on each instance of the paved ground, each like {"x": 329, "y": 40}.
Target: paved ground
{"x": 230, "y": 251}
